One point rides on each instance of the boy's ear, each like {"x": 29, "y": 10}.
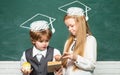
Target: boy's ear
{"x": 33, "y": 42}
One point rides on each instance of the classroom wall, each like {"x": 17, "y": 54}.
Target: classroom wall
{"x": 104, "y": 22}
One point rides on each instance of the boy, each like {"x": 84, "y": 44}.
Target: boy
{"x": 41, "y": 52}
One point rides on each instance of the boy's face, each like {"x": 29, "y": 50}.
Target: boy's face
{"x": 43, "y": 44}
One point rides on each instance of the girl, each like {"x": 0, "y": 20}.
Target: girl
{"x": 79, "y": 56}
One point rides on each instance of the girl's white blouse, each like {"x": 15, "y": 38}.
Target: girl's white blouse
{"x": 85, "y": 64}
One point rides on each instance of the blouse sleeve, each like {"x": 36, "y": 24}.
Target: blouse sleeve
{"x": 56, "y": 52}
{"x": 23, "y": 58}
{"x": 88, "y": 61}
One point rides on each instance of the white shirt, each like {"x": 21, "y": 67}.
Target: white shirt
{"x": 43, "y": 52}
{"x": 85, "y": 64}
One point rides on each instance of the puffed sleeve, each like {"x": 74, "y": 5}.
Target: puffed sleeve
{"x": 88, "y": 61}
{"x": 23, "y": 58}
{"x": 56, "y": 52}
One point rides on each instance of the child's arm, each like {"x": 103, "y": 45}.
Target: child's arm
{"x": 25, "y": 66}
{"x": 57, "y": 55}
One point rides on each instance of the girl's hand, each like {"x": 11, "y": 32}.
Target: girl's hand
{"x": 71, "y": 56}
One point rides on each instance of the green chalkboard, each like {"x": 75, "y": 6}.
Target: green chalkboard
{"x": 104, "y": 21}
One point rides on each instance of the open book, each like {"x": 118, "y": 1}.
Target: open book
{"x": 53, "y": 65}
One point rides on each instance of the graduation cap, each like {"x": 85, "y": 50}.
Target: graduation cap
{"x": 39, "y": 22}
{"x": 75, "y": 8}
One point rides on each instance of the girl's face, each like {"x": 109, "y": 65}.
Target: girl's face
{"x": 43, "y": 44}
{"x": 70, "y": 23}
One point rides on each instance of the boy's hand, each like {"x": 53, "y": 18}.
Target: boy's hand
{"x": 57, "y": 57}
{"x": 59, "y": 71}
{"x": 26, "y": 68}
{"x": 25, "y": 71}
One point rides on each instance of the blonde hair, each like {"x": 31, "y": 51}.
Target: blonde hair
{"x": 82, "y": 32}
{"x": 37, "y": 36}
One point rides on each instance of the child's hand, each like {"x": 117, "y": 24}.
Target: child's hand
{"x": 57, "y": 57}
{"x": 59, "y": 71}
{"x": 67, "y": 55}
{"x": 25, "y": 71}
{"x": 26, "y": 68}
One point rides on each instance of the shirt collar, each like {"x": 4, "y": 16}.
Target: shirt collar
{"x": 37, "y": 51}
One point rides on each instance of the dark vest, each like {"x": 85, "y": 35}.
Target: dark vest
{"x": 39, "y": 68}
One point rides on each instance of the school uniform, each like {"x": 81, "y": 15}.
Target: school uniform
{"x": 39, "y": 67}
